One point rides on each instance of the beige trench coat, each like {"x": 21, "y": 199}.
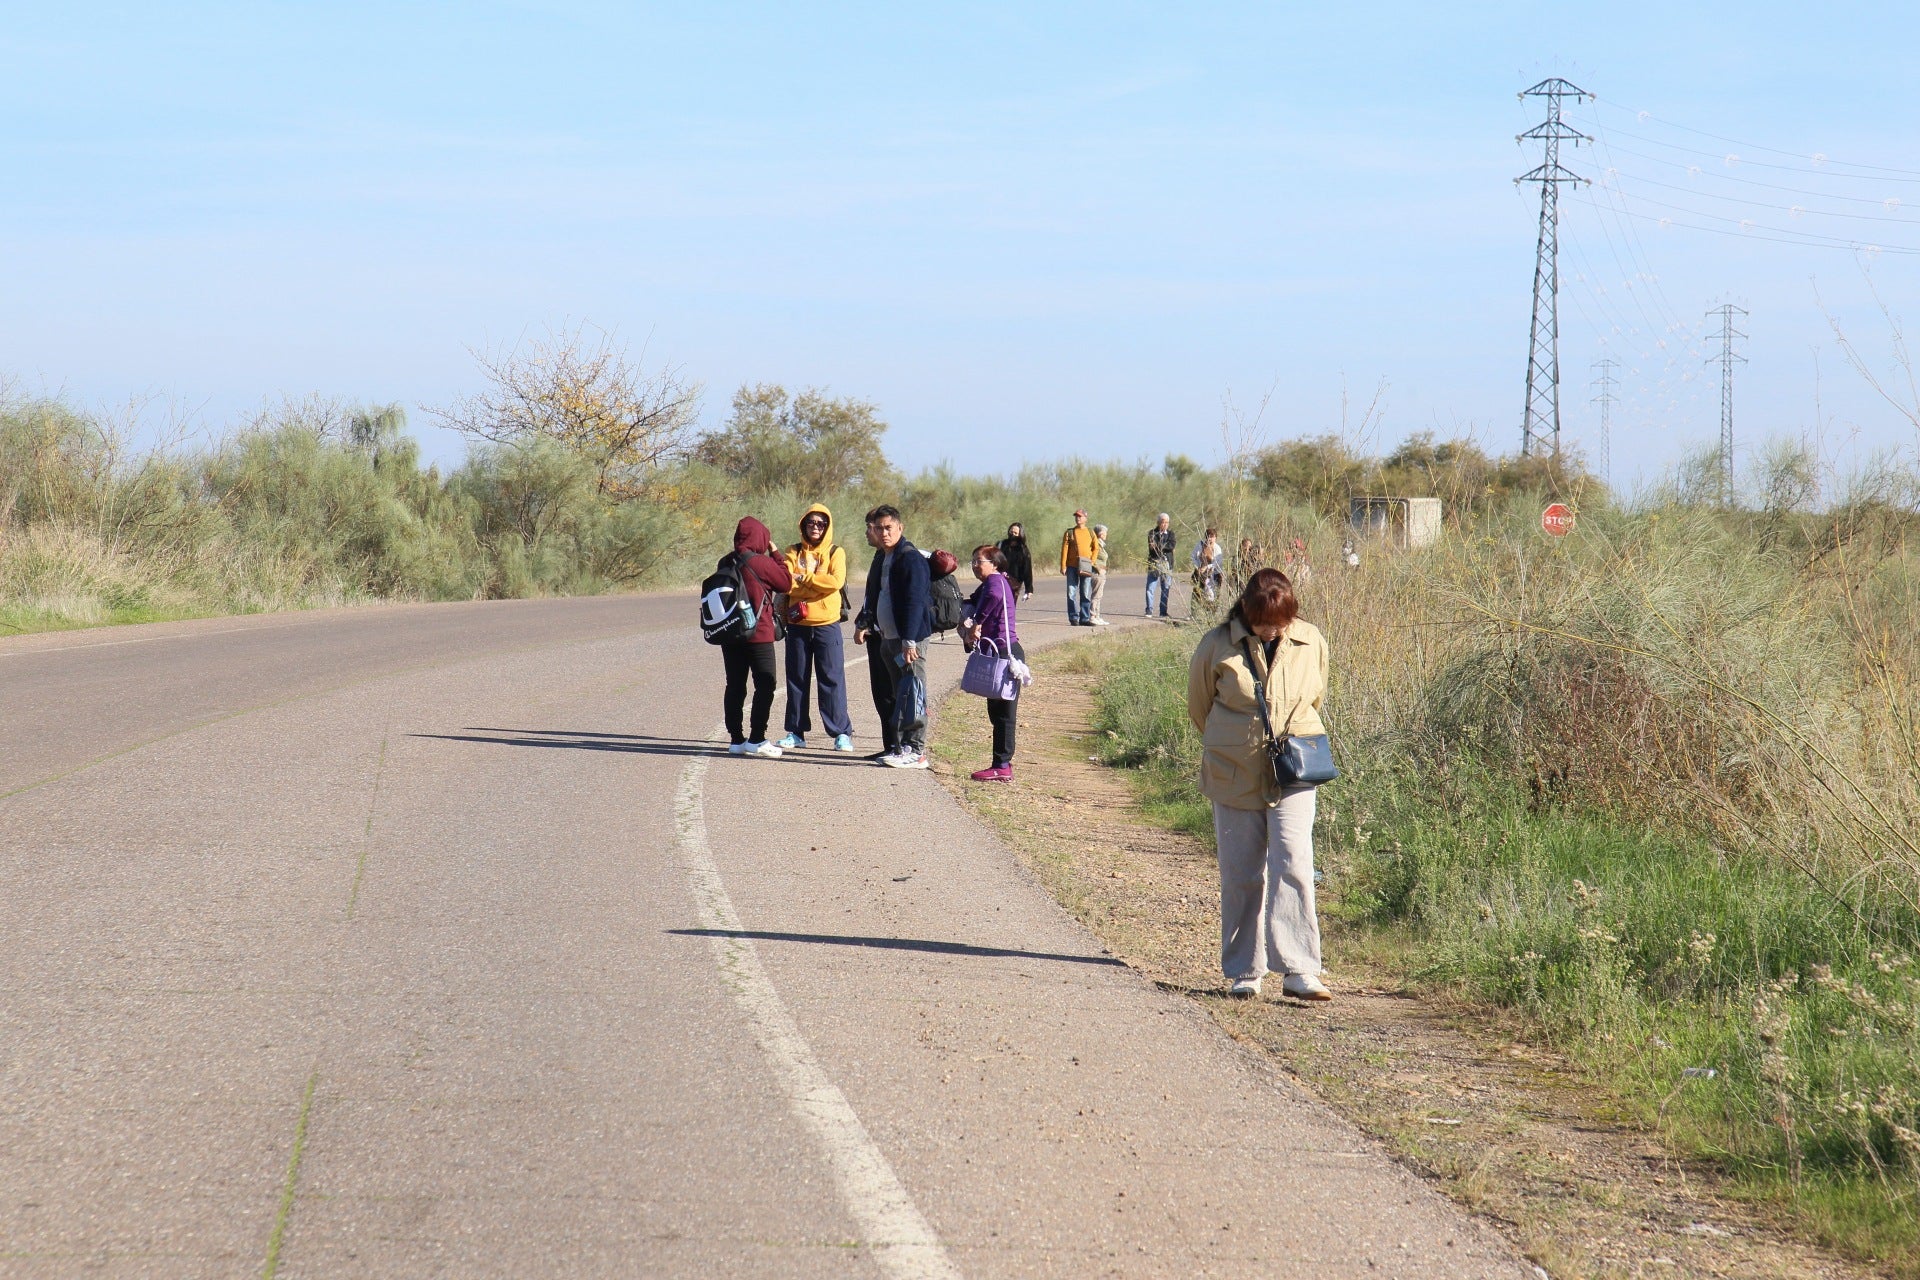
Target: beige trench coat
{"x": 1233, "y": 767}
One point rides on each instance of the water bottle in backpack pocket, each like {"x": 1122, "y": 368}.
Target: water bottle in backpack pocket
{"x": 726, "y": 603}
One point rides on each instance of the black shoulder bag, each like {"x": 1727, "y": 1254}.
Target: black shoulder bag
{"x": 1299, "y": 759}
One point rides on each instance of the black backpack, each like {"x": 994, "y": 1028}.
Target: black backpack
{"x": 726, "y": 603}
{"x": 949, "y": 606}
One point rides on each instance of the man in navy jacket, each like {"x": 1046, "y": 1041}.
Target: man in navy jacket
{"x": 898, "y": 612}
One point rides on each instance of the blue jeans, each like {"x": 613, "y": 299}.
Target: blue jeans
{"x": 1162, "y": 578}
{"x": 1079, "y": 608}
{"x": 817, "y": 653}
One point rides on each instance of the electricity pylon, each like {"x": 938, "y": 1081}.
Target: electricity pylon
{"x": 1606, "y": 400}
{"x": 1540, "y": 426}
{"x": 1727, "y": 359}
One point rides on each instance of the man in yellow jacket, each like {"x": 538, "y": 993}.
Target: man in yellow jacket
{"x": 815, "y": 649}
{"x": 1079, "y": 552}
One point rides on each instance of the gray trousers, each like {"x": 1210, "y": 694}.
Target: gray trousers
{"x": 1267, "y": 919}
{"x": 906, "y": 707}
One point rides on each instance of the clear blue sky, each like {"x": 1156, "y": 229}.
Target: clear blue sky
{"x": 1023, "y": 234}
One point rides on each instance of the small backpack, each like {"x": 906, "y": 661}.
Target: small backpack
{"x": 726, "y": 603}
{"x": 949, "y": 606}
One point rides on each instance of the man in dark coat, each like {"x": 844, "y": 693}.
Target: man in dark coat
{"x": 898, "y": 614}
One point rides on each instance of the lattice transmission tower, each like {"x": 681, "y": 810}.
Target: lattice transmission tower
{"x": 1727, "y": 359}
{"x": 1606, "y": 400}
{"x": 1540, "y": 427}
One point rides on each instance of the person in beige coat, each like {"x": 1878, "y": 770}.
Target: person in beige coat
{"x": 1264, "y": 834}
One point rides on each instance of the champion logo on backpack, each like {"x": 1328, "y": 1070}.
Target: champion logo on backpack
{"x": 726, "y": 603}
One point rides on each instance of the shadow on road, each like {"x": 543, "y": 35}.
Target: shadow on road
{"x": 897, "y": 944}
{"x": 630, "y": 743}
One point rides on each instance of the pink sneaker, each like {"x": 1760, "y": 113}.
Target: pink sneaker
{"x": 994, "y": 773}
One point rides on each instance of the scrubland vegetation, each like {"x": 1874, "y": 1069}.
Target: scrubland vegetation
{"x": 1654, "y": 788}
{"x": 585, "y": 473}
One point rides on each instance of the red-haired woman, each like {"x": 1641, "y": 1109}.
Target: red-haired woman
{"x": 1264, "y": 833}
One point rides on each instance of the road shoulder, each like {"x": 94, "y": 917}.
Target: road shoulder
{"x": 1504, "y": 1127}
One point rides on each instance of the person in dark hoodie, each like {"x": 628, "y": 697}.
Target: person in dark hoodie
{"x": 898, "y": 613}
{"x": 1019, "y": 560}
{"x": 765, "y": 575}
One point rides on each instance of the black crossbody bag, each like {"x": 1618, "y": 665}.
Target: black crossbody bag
{"x": 1299, "y": 759}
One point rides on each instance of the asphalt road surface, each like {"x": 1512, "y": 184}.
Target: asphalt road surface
{"x": 439, "y": 940}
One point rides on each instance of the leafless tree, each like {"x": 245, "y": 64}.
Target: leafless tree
{"x": 581, "y": 390}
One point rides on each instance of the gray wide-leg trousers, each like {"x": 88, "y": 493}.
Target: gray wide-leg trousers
{"x": 1268, "y": 922}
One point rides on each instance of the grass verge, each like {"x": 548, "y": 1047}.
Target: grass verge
{"x": 1751, "y": 1017}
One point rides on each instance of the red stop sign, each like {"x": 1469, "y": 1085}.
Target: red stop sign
{"x": 1557, "y": 519}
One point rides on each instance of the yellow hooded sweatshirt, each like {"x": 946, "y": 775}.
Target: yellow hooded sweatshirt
{"x": 818, "y": 574}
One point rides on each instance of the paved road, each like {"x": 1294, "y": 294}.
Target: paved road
{"x": 437, "y": 940}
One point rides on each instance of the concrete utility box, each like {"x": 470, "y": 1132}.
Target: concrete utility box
{"x": 1400, "y": 522}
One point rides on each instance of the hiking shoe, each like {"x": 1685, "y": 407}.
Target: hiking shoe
{"x": 792, "y": 742}
{"x": 993, "y": 773}
{"x": 1305, "y": 986}
{"x": 907, "y": 758}
{"x": 843, "y": 743}
{"x": 764, "y": 750}
{"x": 1245, "y": 988}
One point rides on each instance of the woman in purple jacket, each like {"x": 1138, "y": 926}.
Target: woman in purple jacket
{"x": 990, "y": 617}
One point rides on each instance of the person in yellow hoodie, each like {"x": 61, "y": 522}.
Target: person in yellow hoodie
{"x": 816, "y": 652}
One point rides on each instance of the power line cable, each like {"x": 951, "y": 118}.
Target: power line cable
{"x": 1697, "y": 171}
{"x": 1796, "y": 210}
{"x": 1604, "y": 145}
{"x": 1728, "y": 158}
{"x": 1816, "y": 157}
{"x": 1811, "y": 237}
{"x": 1855, "y": 246}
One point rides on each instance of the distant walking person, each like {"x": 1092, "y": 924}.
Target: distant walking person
{"x": 1099, "y": 587}
{"x": 1019, "y": 559}
{"x": 1161, "y": 544}
{"x": 899, "y": 612}
{"x": 1296, "y": 565}
{"x": 990, "y": 618}
{"x": 1078, "y": 549}
{"x": 1264, "y": 834}
{"x": 815, "y": 652}
{"x": 764, "y": 575}
{"x": 1208, "y": 564}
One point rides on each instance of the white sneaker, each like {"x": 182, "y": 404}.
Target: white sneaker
{"x": 764, "y": 750}
{"x": 907, "y": 758}
{"x": 1244, "y": 988}
{"x": 1100, "y": 622}
{"x": 737, "y": 749}
{"x": 1305, "y": 986}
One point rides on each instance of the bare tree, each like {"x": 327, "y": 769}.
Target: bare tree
{"x": 584, "y": 393}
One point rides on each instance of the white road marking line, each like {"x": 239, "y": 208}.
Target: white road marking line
{"x": 899, "y": 1238}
